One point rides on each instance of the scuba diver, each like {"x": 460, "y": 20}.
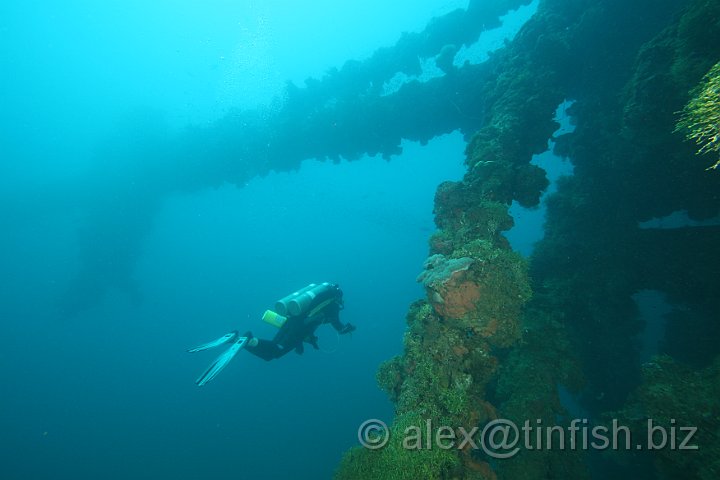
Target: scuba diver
{"x": 296, "y": 316}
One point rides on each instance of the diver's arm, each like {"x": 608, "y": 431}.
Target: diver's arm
{"x": 333, "y": 318}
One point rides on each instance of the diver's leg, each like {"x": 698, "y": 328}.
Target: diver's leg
{"x": 266, "y": 349}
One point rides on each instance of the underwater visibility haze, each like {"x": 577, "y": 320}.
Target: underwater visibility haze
{"x": 518, "y": 199}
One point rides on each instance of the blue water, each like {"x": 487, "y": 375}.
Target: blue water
{"x": 107, "y": 391}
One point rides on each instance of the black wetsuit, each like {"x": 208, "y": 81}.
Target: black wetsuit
{"x": 297, "y": 330}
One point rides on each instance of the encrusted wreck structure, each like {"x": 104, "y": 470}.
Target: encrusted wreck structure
{"x": 502, "y": 337}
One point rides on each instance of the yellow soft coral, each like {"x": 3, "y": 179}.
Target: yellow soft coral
{"x": 700, "y": 118}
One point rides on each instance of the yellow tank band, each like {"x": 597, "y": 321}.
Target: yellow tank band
{"x": 274, "y": 319}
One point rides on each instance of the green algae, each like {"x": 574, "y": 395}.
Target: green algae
{"x": 700, "y": 118}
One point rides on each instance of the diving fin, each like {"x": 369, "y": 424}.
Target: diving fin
{"x": 228, "y": 337}
{"x": 221, "y": 362}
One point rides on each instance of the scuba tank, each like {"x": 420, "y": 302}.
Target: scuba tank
{"x": 281, "y": 306}
{"x": 313, "y": 299}
{"x": 308, "y": 299}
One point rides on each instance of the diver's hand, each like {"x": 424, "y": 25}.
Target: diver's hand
{"x": 348, "y": 328}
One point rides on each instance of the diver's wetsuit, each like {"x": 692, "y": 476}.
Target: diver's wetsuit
{"x": 297, "y": 330}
